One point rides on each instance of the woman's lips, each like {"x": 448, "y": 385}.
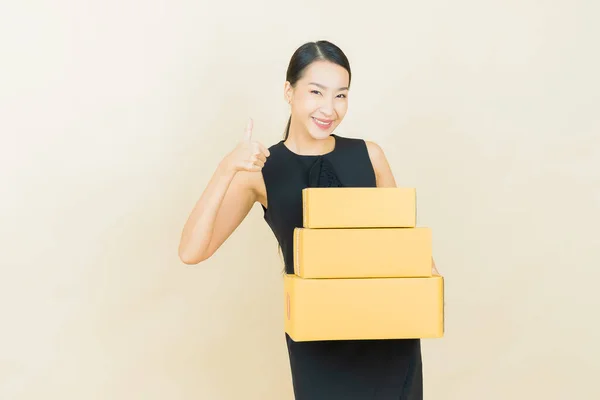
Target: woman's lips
{"x": 322, "y": 123}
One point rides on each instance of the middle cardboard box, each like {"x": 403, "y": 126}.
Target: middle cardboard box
{"x": 362, "y": 252}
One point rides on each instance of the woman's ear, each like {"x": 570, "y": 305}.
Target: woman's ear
{"x": 288, "y": 92}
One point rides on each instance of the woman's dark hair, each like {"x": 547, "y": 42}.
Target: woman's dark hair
{"x": 308, "y": 53}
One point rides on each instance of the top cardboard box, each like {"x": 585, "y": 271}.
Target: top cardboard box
{"x": 359, "y": 207}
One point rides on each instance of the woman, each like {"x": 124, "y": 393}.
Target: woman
{"x": 316, "y": 88}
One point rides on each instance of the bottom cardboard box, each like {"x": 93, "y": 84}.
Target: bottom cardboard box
{"x": 363, "y": 308}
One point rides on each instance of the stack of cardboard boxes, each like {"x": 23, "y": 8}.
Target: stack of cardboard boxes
{"x": 362, "y": 268}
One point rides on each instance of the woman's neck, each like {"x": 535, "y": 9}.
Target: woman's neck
{"x": 301, "y": 142}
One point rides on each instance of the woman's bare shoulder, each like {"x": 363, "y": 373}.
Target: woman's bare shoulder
{"x": 383, "y": 172}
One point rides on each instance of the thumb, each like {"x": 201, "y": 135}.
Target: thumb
{"x": 248, "y": 132}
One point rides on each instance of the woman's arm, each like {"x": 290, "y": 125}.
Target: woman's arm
{"x": 385, "y": 177}
{"x": 225, "y": 202}
{"x": 222, "y": 206}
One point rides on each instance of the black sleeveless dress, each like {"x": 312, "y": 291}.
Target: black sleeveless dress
{"x": 335, "y": 370}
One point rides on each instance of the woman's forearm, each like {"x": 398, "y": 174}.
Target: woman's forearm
{"x": 197, "y": 231}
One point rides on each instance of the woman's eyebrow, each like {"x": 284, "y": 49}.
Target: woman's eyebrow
{"x": 325, "y": 87}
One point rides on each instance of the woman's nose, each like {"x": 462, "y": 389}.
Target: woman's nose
{"x": 327, "y": 107}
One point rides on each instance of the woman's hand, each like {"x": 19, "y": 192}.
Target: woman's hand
{"x": 249, "y": 155}
{"x": 434, "y": 270}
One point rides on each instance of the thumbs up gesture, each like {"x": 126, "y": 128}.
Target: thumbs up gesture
{"x": 249, "y": 155}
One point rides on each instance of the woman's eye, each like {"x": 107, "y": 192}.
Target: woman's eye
{"x": 315, "y": 92}
{"x": 343, "y": 95}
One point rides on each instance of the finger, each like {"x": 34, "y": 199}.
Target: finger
{"x": 256, "y": 160}
{"x": 263, "y": 149}
{"x": 248, "y": 131}
{"x": 253, "y": 167}
{"x": 261, "y": 157}
{"x": 258, "y": 148}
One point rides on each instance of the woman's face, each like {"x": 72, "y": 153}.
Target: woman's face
{"x": 320, "y": 99}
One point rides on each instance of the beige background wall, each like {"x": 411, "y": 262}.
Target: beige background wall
{"x": 113, "y": 115}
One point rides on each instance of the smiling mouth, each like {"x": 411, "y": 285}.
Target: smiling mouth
{"x": 322, "y": 123}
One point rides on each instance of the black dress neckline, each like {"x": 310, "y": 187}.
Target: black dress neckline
{"x": 335, "y": 147}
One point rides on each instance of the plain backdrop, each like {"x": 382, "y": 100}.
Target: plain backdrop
{"x": 114, "y": 115}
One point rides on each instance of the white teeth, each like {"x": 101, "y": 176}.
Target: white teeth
{"x": 321, "y": 123}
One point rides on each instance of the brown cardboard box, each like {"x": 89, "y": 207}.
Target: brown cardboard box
{"x": 371, "y": 308}
{"x": 362, "y": 253}
{"x": 351, "y": 207}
